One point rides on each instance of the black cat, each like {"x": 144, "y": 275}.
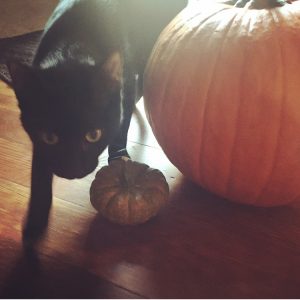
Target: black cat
{"x": 78, "y": 96}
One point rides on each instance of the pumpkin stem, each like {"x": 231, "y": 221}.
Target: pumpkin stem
{"x": 261, "y": 4}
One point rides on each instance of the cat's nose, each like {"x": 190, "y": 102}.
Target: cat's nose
{"x": 74, "y": 166}
{"x": 72, "y": 173}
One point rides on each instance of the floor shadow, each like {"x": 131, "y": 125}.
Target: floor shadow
{"x": 189, "y": 208}
{"x": 51, "y": 277}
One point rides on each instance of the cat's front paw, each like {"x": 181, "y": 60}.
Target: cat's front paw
{"x": 120, "y": 154}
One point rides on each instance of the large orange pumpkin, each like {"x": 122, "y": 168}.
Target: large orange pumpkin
{"x": 222, "y": 94}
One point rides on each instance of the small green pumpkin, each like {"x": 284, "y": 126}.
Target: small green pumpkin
{"x": 128, "y": 192}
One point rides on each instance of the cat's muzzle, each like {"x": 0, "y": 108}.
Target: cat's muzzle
{"x": 75, "y": 171}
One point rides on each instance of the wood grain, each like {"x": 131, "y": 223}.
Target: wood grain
{"x": 23, "y": 16}
{"x": 199, "y": 246}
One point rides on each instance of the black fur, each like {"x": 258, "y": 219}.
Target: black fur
{"x": 86, "y": 76}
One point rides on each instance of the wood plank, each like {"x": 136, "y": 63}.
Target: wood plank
{"x": 172, "y": 256}
{"x": 199, "y": 246}
{"x": 10, "y": 125}
{"x": 52, "y": 278}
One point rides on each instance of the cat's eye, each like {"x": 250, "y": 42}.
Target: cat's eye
{"x": 49, "y": 138}
{"x": 93, "y": 136}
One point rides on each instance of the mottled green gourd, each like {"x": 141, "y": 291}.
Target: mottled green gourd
{"x": 128, "y": 192}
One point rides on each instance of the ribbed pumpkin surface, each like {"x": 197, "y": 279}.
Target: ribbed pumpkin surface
{"x": 222, "y": 94}
{"x": 129, "y": 192}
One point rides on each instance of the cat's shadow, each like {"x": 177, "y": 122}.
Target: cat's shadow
{"x": 21, "y": 281}
{"x": 39, "y": 276}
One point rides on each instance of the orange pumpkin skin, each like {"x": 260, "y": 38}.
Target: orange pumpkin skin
{"x": 128, "y": 192}
{"x": 222, "y": 94}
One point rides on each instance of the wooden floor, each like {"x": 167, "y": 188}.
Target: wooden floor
{"x": 199, "y": 246}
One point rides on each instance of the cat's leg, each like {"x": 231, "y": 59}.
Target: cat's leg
{"x": 118, "y": 148}
{"x": 40, "y": 201}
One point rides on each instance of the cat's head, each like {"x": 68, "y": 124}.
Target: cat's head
{"x": 71, "y": 112}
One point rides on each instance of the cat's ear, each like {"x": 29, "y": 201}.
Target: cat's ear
{"x": 20, "y": 74}
{"x": 113, "y": 66}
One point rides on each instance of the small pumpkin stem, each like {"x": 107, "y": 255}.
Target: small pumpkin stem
{"x": 261, "y": 4}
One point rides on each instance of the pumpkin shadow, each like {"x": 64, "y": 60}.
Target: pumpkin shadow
{"x": 103, "y": 235}
{"x": 197, "y": 237}
{"x": 190, "y": 208}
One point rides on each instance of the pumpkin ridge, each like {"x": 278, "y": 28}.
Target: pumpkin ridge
{"x": 104, "y": 189}
{"x": 152, "y": 200}
{"x": 132, "y": 194}
{"x": 113, "y": 200}
{"x": 153, "y": 189}
{"x": 160, "y": 185}
{"x": 174, "y": 42}
{"x": 185, "y": 160}
{"x": 141, "y": 174}
{"x": 205, "y": 102}
{"x": 106, "y": 196}
{"x": 187, "y": 20}
{"x": 192, "y": 32}
{"x": 189, "y": 36}
{"x": 169, "y": 79}
{"x": 151, "y": 205}
{"x": 229, "y": 178}
{"x": 276, "y": 151}
{"x": 163, "y": 105}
